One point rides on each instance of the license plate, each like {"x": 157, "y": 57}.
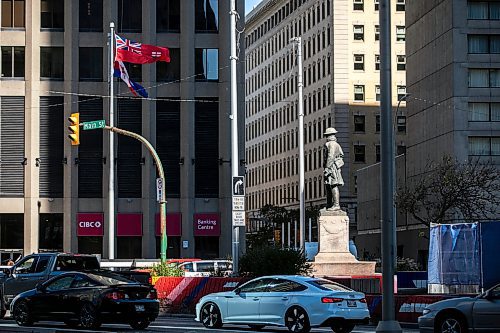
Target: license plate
{"x": 139, "y": 308}
{"x": 351, "y": 303}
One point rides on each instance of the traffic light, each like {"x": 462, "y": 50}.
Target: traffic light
{"x": 74, "y": 129}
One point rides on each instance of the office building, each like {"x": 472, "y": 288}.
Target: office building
{"x": 54, "y": 62}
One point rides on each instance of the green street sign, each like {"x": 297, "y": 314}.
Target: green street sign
{"x": 90, "y": 125}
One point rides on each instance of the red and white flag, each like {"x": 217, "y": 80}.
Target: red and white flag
{"x": 138, "y": 53}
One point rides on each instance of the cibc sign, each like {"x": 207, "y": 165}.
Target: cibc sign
{"x": 90, "y": 224}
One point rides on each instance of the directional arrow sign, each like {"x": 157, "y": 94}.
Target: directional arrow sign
{"x": 90, "y": 125}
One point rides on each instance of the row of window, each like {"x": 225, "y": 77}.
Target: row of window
{"x": 483, "y": 111}
{"x": 12, "y": 64}
{"x": 359, "y": 122}
{"x": 359, "y": 5}
{"x": 316, "y": 100}
{"x": 359, "y": 62}
{"x": 281, "y": 39}
{"x": 359, "y": 32}
{"x": 283, "y": 64}
{"x": 483, "y": 10}
{"x": 283, "y": 142}
{"x": 359, "y": 92}
{"x": 483, "y": 44}
{"x": 90, "y": 158}
{"x": 484, "y": 78}
{"x": 314, "y": 189}
{"x": 129, "y": 15}
{"x": 484, "y": 146}
{"x": 313, "y": 16}
{"x": 360, "y": 152}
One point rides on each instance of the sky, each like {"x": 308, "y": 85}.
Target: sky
{"x": 249, "y": 4}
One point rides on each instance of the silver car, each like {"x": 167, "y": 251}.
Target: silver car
{"x": 297, "y": 302}
{"x": 463, "y": 314}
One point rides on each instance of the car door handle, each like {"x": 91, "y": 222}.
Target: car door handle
{"x": 284, "y": 298}
{"x": 256, "y": 298}
{"x": 24, "y": 278}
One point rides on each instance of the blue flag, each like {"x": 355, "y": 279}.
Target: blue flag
{"x": 121, "y": 72}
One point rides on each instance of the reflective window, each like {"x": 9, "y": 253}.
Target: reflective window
{"x": 359, "y": 32}
{"x": 169, "y": 71}
{"x": 484, "y": 44}
{"x": 26, "y": 266}
{"x": 83, "y": 282}
{"x": 484, "y": 146}
{"x": 359, "y": 123}
{"x": 13, "y": 13}
{"x": 90, "y": 15}
{"x": 377, "y": 93}
{"x": 359, "y": 93}
{"x": 207, "y": 16}
{"x": 401, "y": 124}
{"x": 168, "y": 15}
{"x": 90, "y": 64}
{"x": 52, "y": 62}
{"x": 483, "y": 10}
{"x": 400, "y": 33}
{"x": 400, "y": 5}
{"x": 328, "y": 285}
{"x": 359, "y": 153}
{"x": 359, "y": 62}
{"x": 401, "y": 63}
{"x": 60, "y": 284}
{"x": 282, "y": 285}
{"x": 358, "y": 5}
{"x": 42, "y": 264}
{"x": 12, "y": 64}
{"x": 255, "y": 286}
{"x": 129, "y": 16}
{"x": 207, "y": 64}
{"x": 52, "y": 14}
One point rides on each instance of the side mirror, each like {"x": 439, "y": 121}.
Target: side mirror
{"x": 40, "y": 287}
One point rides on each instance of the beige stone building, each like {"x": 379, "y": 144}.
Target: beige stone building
{"x": 54, "y": 61}
{"x": 341, "y": 89}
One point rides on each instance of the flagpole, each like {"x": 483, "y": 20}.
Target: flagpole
{"x": 111, "y": 187}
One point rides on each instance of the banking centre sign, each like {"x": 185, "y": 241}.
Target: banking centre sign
{"x": 90, "y": 224}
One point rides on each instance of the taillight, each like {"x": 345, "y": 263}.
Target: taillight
{"x": 363, "y": 300}
{"x": 331, "y": 300}
{"x": 150, "y": 280}
{"x": 152, "y": 294}
{"x": 116, "y": 295}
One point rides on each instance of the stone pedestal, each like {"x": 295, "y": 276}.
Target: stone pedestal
{"x": 333, "y": 256}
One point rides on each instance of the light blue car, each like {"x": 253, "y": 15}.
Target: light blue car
{"x": 297, "y": 302}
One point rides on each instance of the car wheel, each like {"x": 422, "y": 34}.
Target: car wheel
{"x": 22, "y": 314}
{"x": 452, "y": 324}
{"x": 88, "y": 316}
{"x": 343, "y": 328}
{"x": 140, "y": 324}
{"x": 296, "y": 320}
{"x": 210, "y": 316}
{"x": 257, "y": 327}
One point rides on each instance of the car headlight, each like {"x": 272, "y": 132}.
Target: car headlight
{"x": 426, "y": 311}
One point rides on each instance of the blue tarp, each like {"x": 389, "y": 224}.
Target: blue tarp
{"x": 465, "y": 254}
{"x": 454, "y": 254}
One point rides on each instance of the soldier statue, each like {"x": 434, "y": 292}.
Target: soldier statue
{"x": 332, "y": 162}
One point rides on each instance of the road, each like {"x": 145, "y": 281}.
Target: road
{"x": 163, "y": 324}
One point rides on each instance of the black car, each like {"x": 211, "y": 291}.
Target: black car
{"x": 88, "y": 299}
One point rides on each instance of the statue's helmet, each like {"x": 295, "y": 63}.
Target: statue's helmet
{"x": 330, "y": 131}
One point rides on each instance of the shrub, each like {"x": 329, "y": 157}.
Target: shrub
{"x": 406, "y": 265}
{"x": 272, "y": 260}
{"x": 164, "y": 269}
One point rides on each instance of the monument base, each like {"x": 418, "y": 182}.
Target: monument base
{"x": 343, "y": 268}
{"x": 334, "y": 257}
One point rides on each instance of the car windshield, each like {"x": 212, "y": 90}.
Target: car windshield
{"x": 327, "y": 285}
{"x": 109, "y": 279}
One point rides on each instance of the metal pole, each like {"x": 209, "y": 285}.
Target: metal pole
{"x": 298, "y": 45}
{"x": 388, "y": 324}
{"x": 161, "y": 174}
{"x": 295, "y": 234}
{"x": 234, "y": 126}
{"x": 111, "y": 185}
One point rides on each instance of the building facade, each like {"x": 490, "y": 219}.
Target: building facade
{"x": 54, "y": 62}
{"x": 453, "y": 57}
{"x": 341, "y": 89}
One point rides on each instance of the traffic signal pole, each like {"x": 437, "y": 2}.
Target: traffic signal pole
{"x": 162, "y": 201}
{"x": 111, "y": 183}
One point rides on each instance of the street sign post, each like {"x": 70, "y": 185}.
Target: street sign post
{"x": 90, "y": 125}
{"x": 159, "y": 189}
